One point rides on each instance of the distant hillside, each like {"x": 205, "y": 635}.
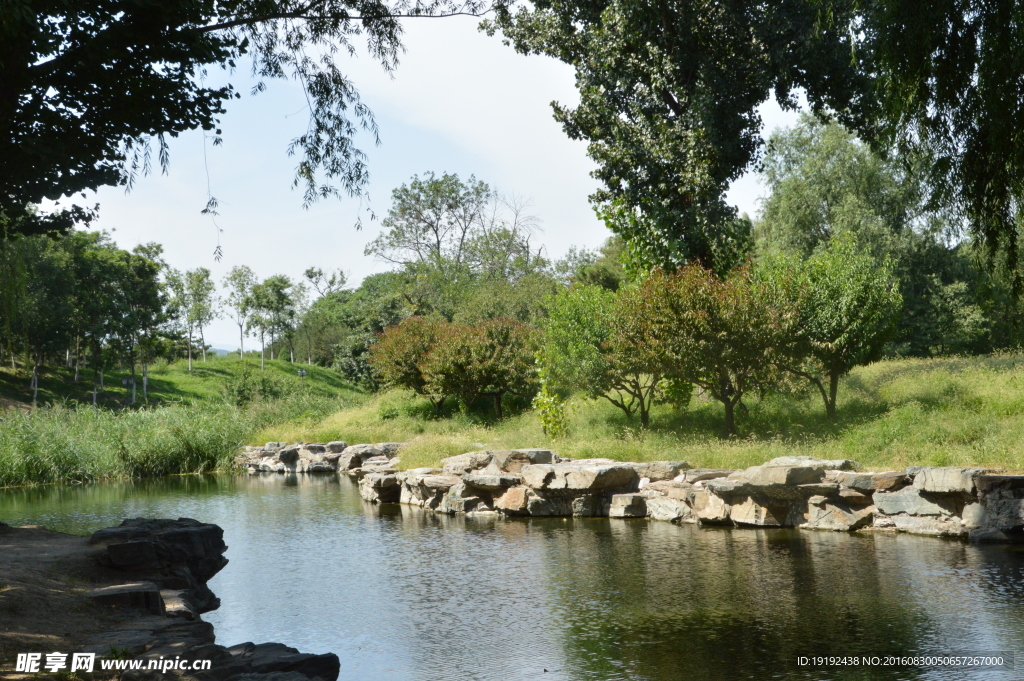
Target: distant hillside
{"x": 167, "y": 383}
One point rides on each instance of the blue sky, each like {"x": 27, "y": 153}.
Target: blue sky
{"x": 459, "y": 102}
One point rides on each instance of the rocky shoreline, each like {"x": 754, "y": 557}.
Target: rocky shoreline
{"x": 978, "y": 504}
{"x": 149, "y": 591}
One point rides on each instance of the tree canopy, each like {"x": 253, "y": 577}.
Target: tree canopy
{"x": 669, "y": 95}
{"x": 88, "y": 88}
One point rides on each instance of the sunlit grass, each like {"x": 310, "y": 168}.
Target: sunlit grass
{"x": 940, "y": 412}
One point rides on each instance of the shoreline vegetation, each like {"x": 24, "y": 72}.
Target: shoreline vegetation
{"x": 893, "y": 414}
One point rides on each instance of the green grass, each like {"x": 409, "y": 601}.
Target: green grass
{"x": 82, "y": 444}
{"x": 188, "y": 424}
{"x": 895, "y": 413}
{"x": 168, "y": 383}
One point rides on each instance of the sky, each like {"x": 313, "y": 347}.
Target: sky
{"x": 459, "y": 102}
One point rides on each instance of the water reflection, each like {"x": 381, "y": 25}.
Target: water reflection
{"x": 399, "y": 593}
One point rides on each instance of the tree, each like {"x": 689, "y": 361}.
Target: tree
{"x": 669, "y": 95}
{"x": 580, "y": 352}
{"x": 491, "y": 359}
{"x": 668, "y": 100}
{"x": 86, "y": 87}
{"x": 325, "y": 283}
{"x": 399, "y": 355}
{"x": 848, "y": 304}
{"x": 239, "y": 282}
{"x": 721, "y": 335}
{"x": 202, "y": 301}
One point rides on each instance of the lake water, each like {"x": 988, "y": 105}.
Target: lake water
{"x": 402, "y": 594}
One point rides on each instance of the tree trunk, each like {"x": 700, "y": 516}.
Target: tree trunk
{"x": 645, "y": 415}
{"x": 145, "y": 381}
{"x": 190, "y": 349}
{"x": 497, "y": 404}
{"x": 202, "y": 339}
{"x": 241, "y": 342}
{"x": 833, "y": 388}
{"x": 35, "y": 382}
{"x": 78, "y": 356}
{"x": 730, "y": 417}
{"x": 131, "y": 358}
{"x": 263, "y": 352}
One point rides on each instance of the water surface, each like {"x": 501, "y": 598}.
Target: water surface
{"x": 402, "y": 594}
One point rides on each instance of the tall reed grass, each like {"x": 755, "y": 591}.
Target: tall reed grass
{"x": 79, "y": 444}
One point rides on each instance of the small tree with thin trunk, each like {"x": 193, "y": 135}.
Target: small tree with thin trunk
{"x": 848, "y": 306}
{"x": 580, "y": 352}
{"x": 239, "y": 283}
{"x": 202, "y": 301}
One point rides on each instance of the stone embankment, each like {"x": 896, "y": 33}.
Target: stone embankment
{"x": 976, "y": 503}
{"x": 159, "y": 570}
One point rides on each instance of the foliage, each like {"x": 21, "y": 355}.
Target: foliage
{"x": 248, "y": 386}
{"x": 399, "y": 355}
{"x": 551, "y": 408}
{"x": 892, "y": 414}
{"x": 88, "y": 86}
{"x": 583, "y": 352}
{"x": 847, "y": 306}
{"x": 491, "y": 359}
{"x": 721, "y": 335}
{"x": 68, "y": 445}
{"x": 668, "y": 99}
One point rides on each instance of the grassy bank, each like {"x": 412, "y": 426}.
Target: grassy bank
{"x": 939, "y": 412}
{"x": 168, "y": 382}
{"x": 81, "y": 444}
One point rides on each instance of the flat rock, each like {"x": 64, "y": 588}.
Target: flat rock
{"x": 465, "y": 463}
{"x": 872, "y": 482}
{"x": 337, "y": 446}
{"x": 353, "y": 456}
{"x": 1000, "y": 486}
{"x": 132, "y": 596}
{"x": 698, "y": 474}
{"x": 459, "y": 499}
{"x": 513, "y": 460}
{"x": 491, "y": 482}
{"x": 579, "y": 478}
{"x": 380, "y": 488}
{"x": 276, "y": 657}
{"x": 659, "y": 470}
{"x": 910, "y": 501}
{"x": 932, "y": 527}
{"x": 947, "y": 480}
{"x": 628, "y": 506}
{"x": 810, "y": 461}
{"x": 667, "y": 508}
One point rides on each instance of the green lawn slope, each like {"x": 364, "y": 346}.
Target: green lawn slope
{"x": 167, "y": 382}
{"x": 895, "y": 413}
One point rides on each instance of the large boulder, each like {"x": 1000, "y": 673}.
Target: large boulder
{"x": 267, "y": 658}
{"x": 491, "y": 483}
{"x": 628, "y": 506}
{"x": 352, "y": 457}
{"x": 460, "y": 499}
{"x": 512, "y": 460}
{"x": 580, "y": 478}
{"x": 948, "y": 480}
{"x": 824, "y": 513}
{"x": 513, "y": 501}
{"x": 709, "y": 508}
{"x": 182, "y": 554}
{"x": 760, "y": 513}
{"x": 667, "y": 508}
{"x": 465, "y": 463}
{"x": 659, "y": 470}
{"x": 912, "y": 501}
{"x": 380, "y": 488}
